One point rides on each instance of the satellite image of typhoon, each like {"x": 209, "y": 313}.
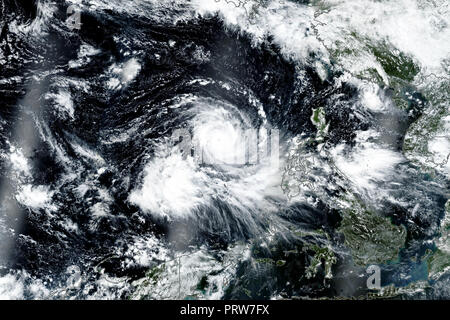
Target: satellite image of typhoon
{"x": 215, "y": 149}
